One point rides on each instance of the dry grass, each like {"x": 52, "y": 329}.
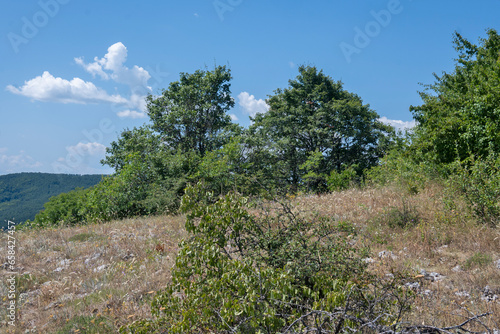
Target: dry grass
{"x": 445, "y": 241}
{"x": 93, "y": 279}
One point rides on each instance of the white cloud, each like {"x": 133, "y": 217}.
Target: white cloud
{"x": 131, "y": 114}
{"x": 83, "y": 149}
{"x": 233, "y": 117}
{"x": 93, "y": 68}
{"x": 48, "y": 88}
{"x": 251, "y": 105}
{"x": 16, "y": 163}
{"x": 398, "y": 124}
{"x": 291, "y": 64}
{"x": 113, "y": 61}
{"x": 82, "y": 158}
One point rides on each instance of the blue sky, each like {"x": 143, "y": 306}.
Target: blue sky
{"x": 73, "y": 73}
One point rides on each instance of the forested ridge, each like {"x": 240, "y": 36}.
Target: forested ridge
{"x": 22, "y": 195}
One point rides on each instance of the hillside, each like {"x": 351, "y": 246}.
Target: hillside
{"x": 23, "y": 195}
{"x": 95, "y": 278}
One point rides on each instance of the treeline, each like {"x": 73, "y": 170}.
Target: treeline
{"x": 316, "y": 137}
{"x": 23, "y": 195}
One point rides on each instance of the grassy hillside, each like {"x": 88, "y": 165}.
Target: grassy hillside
{"x": 23, "y": 195}
{"x": 95, "y": 278}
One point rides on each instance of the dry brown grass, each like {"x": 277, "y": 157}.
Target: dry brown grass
{"x": 442, "y": 240}
{"x": 108, "y": 273}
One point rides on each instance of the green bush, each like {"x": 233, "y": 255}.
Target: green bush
{"x": 343, "y": 180}
{"x": 405, "y": 171}
{"x": 267, "y": 273}
{"x": 478, "y": 181}
{"x": 64, "y": 208}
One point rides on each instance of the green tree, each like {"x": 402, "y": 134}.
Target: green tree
{"x": 460, "y": 115}
{"x": 315, "y": 114}
{"x": 153, "y": 163}
{"x": 191, "y": 115}
{"x": 142, "y": 141}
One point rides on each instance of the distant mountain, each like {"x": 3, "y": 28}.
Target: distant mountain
{"x": 23, "y": 195}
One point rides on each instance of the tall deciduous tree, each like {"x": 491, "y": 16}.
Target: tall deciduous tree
{"x": 460, "y": 115}
{"x": 315, "y": 114}
{"x": 191, "y": 115}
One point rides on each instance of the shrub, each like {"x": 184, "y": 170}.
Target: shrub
{"x": 64, "y": 208}
{"x": 478, "y": 181}
{"x": 271, "y": 272}
{"x": 404, "y": 171}
{"x": 343, "y": 180}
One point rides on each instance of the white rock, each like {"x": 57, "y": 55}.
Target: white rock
{"x": 385, "y": 254}
{"x": 462, "y": 294}
{"x": 433, "y": 276}
{"x": 413, "y": 286}
{"x": 100, "y": 268}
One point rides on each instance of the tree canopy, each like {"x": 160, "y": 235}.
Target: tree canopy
{"x": 315, "y": 125}
{"x": 191, "y": 115}
{"x": 460, "y": 114}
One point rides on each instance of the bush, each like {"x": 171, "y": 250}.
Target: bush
{"x": 403, "y": 170}
{"x": 478, "y": 181}
{"x": 343, "y": 180}
{"x": 271, "y": 272}
{"x": 64, "y": 208}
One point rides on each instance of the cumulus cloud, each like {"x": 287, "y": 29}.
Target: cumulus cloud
{"x": 131, "y": 114}
{"x": 233, "y": 117}
{"x": 251, "y": 105}
{"x": 16, "y": 162}
{"x": 83, "y": 149}
{"x": 82, "y": 158}
{"x": 93, "y": 68}
{"x": 48, "y": 88}
{"x": 113, "y": 62}
{"x": 398, "y": 124}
